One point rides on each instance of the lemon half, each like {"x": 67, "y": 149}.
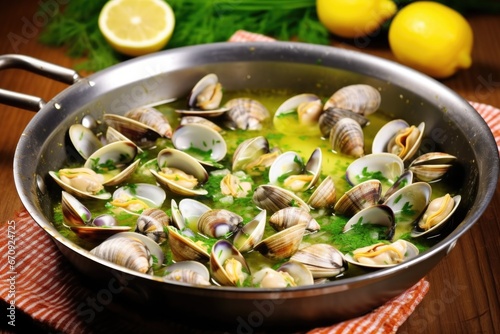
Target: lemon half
{"x": 137, "y": 27}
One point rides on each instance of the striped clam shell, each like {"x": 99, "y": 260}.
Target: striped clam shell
{"x": 362, "y": 99}
{"x": 347, "y": 137}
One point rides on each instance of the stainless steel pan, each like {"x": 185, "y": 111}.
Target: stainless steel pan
{"x": 452, "y": 125}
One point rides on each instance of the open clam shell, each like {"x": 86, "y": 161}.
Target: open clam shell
{"x": 73, "y": 211}
{"x": 184, "y": 248}
{"x": 190, "y": 272}
{"x": 227, "y": 265}
{"x": 251, "y": 233}
{"x": 193, "y": 174}
{"x": 145, "y": 194}
{"x": 218, "y": 223}
{"x": 390, "y": 130}
{"x": 409, "y": 202}
{"x": 88, "y": 185}
{"x": 114, "y": 161}
{"x": 404, "y": 180}
{"x": 442, "y": 218}
{"x": 322, "y": 260}
{"x": 141, "y": 134}
{"x": 430, "y": 167}
{"x": 200, "y": 120}
{"x": 385, "y": 167}
{"x": 245, "y": 113}
{"x": 203, "y": 143}
{"x": 273, "y": 198}
{"x": 152, "y": 223}
{"x": 84, "y": 140}
{"x": 377, "y": 215}
{"x": 382, "y": 255}
{"x": 307, "y": 106}
{"x": 359, "y": 197}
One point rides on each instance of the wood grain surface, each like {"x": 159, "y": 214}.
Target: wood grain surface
{"x": 464, "y": 288}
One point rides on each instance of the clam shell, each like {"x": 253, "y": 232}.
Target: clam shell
{"x": 223, "y": 251}
{"x": 200, "y": 120}
{"x": 434, "y": 230}
{"x": 273, "y": 198}
{"x": 251, "y": 233}
{"x": 192, "y": 266}
{"x": 430, "y": 173}
{"x": 409, "y": 202}
{"x": 74, "y": 212}
{"x": 152, "y": 195}
{"x": 434, "y": 158}
{"x": 325, "y": 195}
{"x": 332, "y": 115}
{"x": 347, "y": 137}
{"x": 377, "y": 215}
{"x": 409, "y": 251}
{"x": 152, "y": 223}
{"x": 218, "y": 223}
{"x": 77, "y": 192}
{"x": 84, "y": 140}
{"x": 186, "y": 276}
{"x": 245, "y": 114}
{"x": 290, "y": 216}
{"x": 152, "y": 246}
{"x": 177, "y": 159}
{"x": 359, "y": 197}
{"x": 385, "y": 167}
{"x": 185, "y": 249}
{"x": 283, "y": 244}
{"x": 248, "y": 151}
{"x": 206, "y": 94}
{"x": 141, "y": 134}
{"x": 322, "y": 260}
{"x": 195, "y": 138}
{"x": 121, "y": 155}
{"x": 299, "y": 272}
{"x": 360, "y": 98}
{"x": 152, "y": 118}
{"x": 126, "y": 252}
{"x": 404, "y": 180}
{"x": 307, "y": 106}
{"x": 387, "y": 133}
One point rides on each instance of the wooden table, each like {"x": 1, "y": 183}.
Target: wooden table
{"x": 464, "y": 294}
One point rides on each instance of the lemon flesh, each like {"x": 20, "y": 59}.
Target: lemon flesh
{"x": 431, "y": 38}
{"x": 137, "y": 27}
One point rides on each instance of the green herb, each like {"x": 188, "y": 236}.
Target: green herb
{"x": 407, "y": 210}
{"x": 366, "y": 175}
{"x": 104, "y": 167}
{"x": 132, "y": 187}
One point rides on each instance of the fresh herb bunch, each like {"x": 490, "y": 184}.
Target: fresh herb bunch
{"x": 204, "y": 21}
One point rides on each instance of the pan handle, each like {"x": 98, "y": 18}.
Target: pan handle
{"x": 37, "y": 66}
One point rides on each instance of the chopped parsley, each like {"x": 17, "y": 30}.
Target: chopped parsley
{"x": 366, "y": 175}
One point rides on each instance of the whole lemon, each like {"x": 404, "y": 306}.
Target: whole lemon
{"x": 431, "y": 38}
{"x": 354, "y": 18}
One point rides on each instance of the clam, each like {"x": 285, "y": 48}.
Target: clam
{"x": 81, "y": 182}
{"x": 137, "y": 197}
{"x": 377, "y": 215}
{"x": 404, "y": 180}
{"x": 115, "y": 162}
{"x": 437, "y": 213}
{"x": 322, "y": 260}
{"x": 73, "y": 211}
{"x": 218, "y": 223}
{"x": 113, "y": 135}
{"x": 187, "y": 213}
{"x": 360, "y": 98}
{"x": 253, "y": 156}
{"x": 332, "y": 115}
{"x": 152, "y": 223}
{"x": 324, "y": 196}
{"x": 283, "y": 244}
{"x": 84, "y": 140}
{"x": 184, "y": 248}
{"x": 409, "y": 202}
{"x": 203, "y": 143}
{"x": 308, "y": 107}
{"x": 227, "y": 265}
{"x": 141, "y": 134}
{"x": 205, "y": 98}
{"x": 382, "y": 255}
{"x": 347, "y": 137}
{"x": 153, "y": 247}
{"x": 385, "y": 167}
{"x": 432, "y": 166}
{"x": 152, "y": 118}
{"x": 251, "y": 233}
{"x": 180, "y": 173}
{"x": 245, "y": 114}
{"x": 126, "y": 252}
{"x": 288, "y": 274}
{"x": 200, "y": 120}
{"x": 235, "y": 186}
{"x": 290, "y": 216}
{"x": 359, "y": 197}
{"x": 399, "y": 138}
{"x": 190, "y": 272}
{"x": 273, "y": 198}
{"x": 289, "y": 170}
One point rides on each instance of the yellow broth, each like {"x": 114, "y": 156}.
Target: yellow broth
{"x": 288, "y": 135}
